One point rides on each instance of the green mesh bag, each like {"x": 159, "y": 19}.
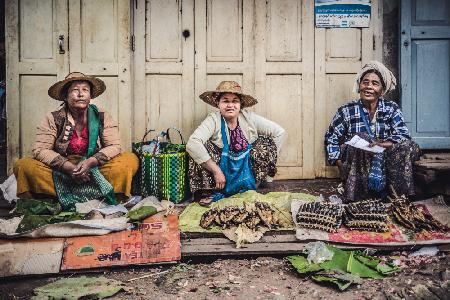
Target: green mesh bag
{"x": 163, "y": 168}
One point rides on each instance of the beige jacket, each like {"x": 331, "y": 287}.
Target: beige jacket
{"x": 54, "y": 134}
{"x": 251, "y": 124}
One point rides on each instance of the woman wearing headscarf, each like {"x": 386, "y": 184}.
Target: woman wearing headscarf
{"x": 380, "y": 122}
{"x": 77, "y": 155}
{"x": 233, "y": 149}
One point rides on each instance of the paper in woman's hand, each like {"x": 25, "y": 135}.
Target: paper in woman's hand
{"x": 360, "y": 143}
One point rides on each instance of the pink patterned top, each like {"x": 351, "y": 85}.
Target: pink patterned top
{"x": 78, "y": 145}
{"x": 238, "y": 142}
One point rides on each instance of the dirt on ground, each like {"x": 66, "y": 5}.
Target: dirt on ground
{"x": 264, "y": 277}
{"x": 255, "y": 278}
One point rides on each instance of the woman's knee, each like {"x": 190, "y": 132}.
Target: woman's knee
{"x": 25, "y": 165}
{"x": 125, "y": 161}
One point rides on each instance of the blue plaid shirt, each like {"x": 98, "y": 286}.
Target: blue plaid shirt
{"x": 389, "y": 126}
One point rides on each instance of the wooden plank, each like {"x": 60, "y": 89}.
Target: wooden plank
{"x": 426, "y": 176}
{"x": 140, "y": 117}
{"x": 435, "y": 165}
{"x": 200, "y": 67}
{"x": 225, "y": 247}
{"x": 437, "y": 156}
{"x": 12, "y": 82}
{"x": 188, "y": 90}
{"x": 247, "y": 249}
{"x": 224, "y": 241}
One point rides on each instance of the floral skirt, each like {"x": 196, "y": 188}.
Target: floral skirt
{"x": 398, "y": 160}
{"x": 263, "y": 157}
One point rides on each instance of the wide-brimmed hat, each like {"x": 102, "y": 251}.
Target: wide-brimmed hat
{"x": 210, "y": 97}
{"x": 97, "y": 85}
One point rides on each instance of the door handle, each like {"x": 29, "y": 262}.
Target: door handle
{"x": 406, "y": 43}
{"x": 61, "y": 44}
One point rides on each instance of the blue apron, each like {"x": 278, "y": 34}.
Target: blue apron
{"x": 236, "y": 167}
{"x": 377, "y": 174}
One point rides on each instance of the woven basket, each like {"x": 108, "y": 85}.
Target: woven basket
{"x": 163, "y": 175}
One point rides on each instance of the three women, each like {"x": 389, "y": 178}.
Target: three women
{"x": 77, "y": 152}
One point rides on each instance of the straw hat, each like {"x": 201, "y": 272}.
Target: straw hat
{"x": 210, "y": 97}
{"x": 97, "y": 85}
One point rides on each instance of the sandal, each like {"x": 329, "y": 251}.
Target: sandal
{"x": 206, "y": 201}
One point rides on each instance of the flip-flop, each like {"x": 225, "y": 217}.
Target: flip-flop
{"x": 205, "y": 201}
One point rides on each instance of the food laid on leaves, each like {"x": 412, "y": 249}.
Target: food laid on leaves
{"x": 320, "y": 215}
{"x": 367, "y": 215}
{"x": 411, "y": 217}
{"x": 262, "y": 214}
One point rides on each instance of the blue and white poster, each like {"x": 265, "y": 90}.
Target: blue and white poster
{"x": 342, "y": 13}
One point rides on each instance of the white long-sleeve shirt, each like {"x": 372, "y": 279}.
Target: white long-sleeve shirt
{"x": 252, "y": 126}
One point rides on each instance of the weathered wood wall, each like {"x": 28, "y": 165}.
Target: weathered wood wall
{"x": 300, "y": 74}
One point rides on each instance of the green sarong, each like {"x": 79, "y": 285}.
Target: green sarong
{"x": 69, "y": 192}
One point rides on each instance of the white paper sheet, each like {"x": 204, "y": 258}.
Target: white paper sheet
{"x": 360, "y": 143}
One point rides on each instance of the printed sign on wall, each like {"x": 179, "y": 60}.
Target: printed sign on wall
{"x": 342, "y": 13}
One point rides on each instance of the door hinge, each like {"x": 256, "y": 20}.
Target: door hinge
{"x": 374, "y": 43}
{"x": 133, "y": 42}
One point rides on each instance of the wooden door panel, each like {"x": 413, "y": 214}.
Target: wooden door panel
{"x": 339, "y": 55}
{"x": 432, "y": 98}
{"x": 343, "y": 44}
{"x": 284, "y": 79}
{"x": 224, "y": 30}
{"x": 284, "y": 36}
{"x": 34, "y": 88}
{"x": 99, "y": 31}
{"x": 285, "y": 106}
{"x": 100, "y": 46}
{"x": 163, "y": 29}
{"x": 33, "y": 65}
{"x": 36, "y": 16}
{"x": 166, "y": 101}
{"x": 223, "y": 48}
{"x": 425, "y": 66}
{"x": 109, "y": 100}
{"x": 341, "y": 92}
{"x": 436, "y": 12}
{"x": 163, "y": 87}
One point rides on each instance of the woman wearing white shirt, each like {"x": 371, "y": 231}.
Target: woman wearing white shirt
{"x": 233, "y": 149}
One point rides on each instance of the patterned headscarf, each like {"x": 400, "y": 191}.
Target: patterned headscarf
{"x": 386, "y": 75}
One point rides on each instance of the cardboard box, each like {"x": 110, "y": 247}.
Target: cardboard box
{"x": 156, "y": 240}
{"x": 30, "y": 256}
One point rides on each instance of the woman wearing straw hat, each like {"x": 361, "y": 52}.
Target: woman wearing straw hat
{"x": 380, "y": 122}
{"x": 233, "y": 149}
{"x": 77, "y": 155}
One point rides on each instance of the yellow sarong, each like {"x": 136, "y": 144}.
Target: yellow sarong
{"x": 34, "y": 177}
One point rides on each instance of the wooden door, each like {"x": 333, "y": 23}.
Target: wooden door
{"x": 284, "y": 79}
{"x": 263, "y": 46}
{"x": 99, "y": 33}
{"x": 339, "y": 55}
{"x": 425, "y": 71}
{"x": 34, "y": 63}
{"x": 224, "y": 48}
{"x": 37, "y": 39}
{"x": 163, "y": 66}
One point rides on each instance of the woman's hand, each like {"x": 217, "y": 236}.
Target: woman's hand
{"x": 81, "y": 172}
{"x": 69, "y": 168}
{"x": 84, "y": 166}
{"x": 385, "y": 144}
{"x": 219, "y": 178}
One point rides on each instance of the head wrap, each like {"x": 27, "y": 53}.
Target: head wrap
{"x": 386, "y": 75}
